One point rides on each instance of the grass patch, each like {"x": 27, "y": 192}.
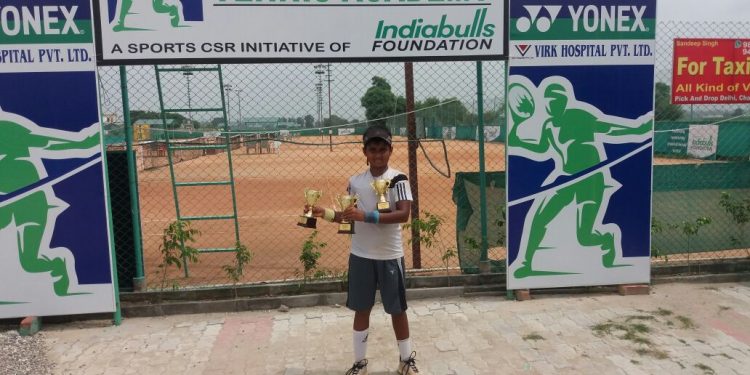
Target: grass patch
{"x": 700, "y": 341}
{"x": 633, "y": 361}
{"x": 706, "y": 369}
{"x": 640, "y": 328}
{"x": 637, "y": 339}
{"x": 651, "y": 352}
{"x": 662, "y": 312}
{"x": 533, "y": 337}
{"x": 640, "y": 317}
{"x": 686, "y": 322}
{"x": 723, "y": 308}
{"x": 637, "y": 328}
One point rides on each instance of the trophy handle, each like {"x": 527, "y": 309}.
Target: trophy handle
{"x": 388, "y": 184}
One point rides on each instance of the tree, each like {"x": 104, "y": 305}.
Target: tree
{"x": 335, "y": 120}
{"x": 453, "y": 112}
{"x": 379, "y": 101}
{"x": 309, "y": 121}
{"x": 400, "y": 104}
{"x": 664, "y": 110}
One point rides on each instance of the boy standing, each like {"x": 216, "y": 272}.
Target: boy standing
{"x": 377, "y": 256}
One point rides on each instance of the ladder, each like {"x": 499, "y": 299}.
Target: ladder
{"x": 172, "y": 147}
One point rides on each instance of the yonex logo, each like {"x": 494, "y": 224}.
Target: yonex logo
{"x": 542, "y": 23}
{"x": 589, "y": 18}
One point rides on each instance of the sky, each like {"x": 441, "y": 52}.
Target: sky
{"x": 703, "y": 10}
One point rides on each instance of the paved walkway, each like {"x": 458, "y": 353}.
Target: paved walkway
{"x": 679, "y": 328}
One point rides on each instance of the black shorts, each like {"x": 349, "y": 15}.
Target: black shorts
{"x": 368, "y": 275}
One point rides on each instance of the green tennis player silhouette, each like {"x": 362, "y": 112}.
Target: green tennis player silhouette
{"x": 28, "y": 205}
{"x": 572, "y": 134}
{"x": 173, "y": 8}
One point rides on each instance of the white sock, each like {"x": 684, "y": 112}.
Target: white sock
{"x": 404, "y": 348}
{"x": 359, "y": 339}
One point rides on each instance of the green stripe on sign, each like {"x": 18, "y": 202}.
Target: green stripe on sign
{"x": 562, "y": 29}
{"x": 11, "y": 303}
{"x": 85, "y": 35}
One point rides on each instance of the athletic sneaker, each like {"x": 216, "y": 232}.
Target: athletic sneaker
{"x": 358, "y": 368}
{"x": 408, "y": 366}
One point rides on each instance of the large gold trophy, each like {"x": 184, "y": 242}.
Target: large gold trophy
{"x": 307, "y": 220}
{"x": 345, "y": 201}
{"x": 381, "y": 189}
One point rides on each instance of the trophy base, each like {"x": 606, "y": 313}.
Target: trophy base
{"x": 384, "y": 207}
{"x": 307, "y": 222}
{"x": 346, "y": 228}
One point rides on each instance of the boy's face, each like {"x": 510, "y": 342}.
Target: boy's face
{"x": 377, "y": 152}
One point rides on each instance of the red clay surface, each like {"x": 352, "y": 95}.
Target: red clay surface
{"x": 269, "y": 191}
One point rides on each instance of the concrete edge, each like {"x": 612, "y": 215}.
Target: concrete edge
{"x": 429, "y": 287}
{"x": 339, "y": 298}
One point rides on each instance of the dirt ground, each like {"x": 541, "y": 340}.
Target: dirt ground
{"x": 269, "y": 194}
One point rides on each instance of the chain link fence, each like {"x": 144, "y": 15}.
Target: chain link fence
{"x": 701, "y": 186}
{"x": 297, "y": 126}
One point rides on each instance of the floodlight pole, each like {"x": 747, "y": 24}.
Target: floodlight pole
{"x": 239, "y": 104}
{"x": 187, "y": 73}
{"x": 329, "y": 91}
{"x": 228, "y": 89}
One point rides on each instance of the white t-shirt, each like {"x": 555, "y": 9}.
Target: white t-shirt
{"x": 378, "y": 241}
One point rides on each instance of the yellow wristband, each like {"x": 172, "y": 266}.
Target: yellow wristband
{"x": 329, "y": 214}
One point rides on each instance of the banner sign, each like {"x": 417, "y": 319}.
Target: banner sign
{"x": 702, "y": 141}
{"x": 55, "y": 256}
{"x": 579, "y": 144}
{"x": 677, "y": 142}
{"x": 711, "y": 71}
{"x": 171, "y": 31}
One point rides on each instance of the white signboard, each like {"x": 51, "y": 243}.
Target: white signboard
{"x": 702, "y": 141}
{"x": 449, "y": 132}
{"x": 145, "y": 32}
{"x": 491, "y": 133}
{"x": 346, "y": 131}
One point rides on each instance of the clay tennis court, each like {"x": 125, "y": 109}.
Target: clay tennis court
{"x": 269, "y": 191}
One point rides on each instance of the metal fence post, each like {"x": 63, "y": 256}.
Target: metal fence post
{"x": 411, "y": 125}
{"x": 483, "y": 259}
{"x": 139, "y": 279}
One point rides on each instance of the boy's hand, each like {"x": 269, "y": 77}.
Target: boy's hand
{"x": 353, "y": 214}
{"x": 316, "y": 211}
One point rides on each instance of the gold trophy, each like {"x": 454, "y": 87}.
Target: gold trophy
{"x": 381, "y": 189}
{"x": 307, "y": 220}
{"x": 345, "y": 201}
